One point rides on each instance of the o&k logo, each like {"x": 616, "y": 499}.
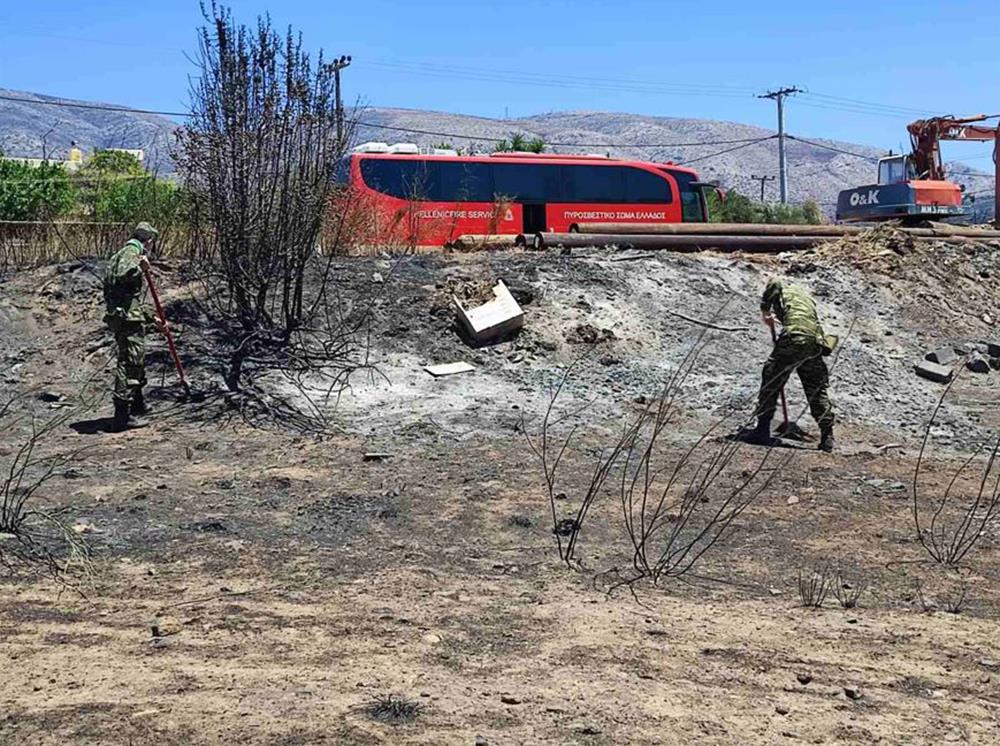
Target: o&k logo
{"x": 859, "y": 199}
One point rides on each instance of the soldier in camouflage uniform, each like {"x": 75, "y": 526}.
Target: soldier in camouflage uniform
{"x": 800, "y": 347}
{"x": 128, "y": 318}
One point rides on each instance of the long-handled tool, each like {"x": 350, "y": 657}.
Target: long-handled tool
{"x": 787, "y": 429}
{"x": 188, "y": 391}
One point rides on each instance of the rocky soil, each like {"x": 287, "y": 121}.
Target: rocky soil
{"x": 260, "y": 584}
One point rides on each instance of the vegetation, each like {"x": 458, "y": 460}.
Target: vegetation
{"x": 518, "y": 143}
{"x": 30, "y": 193}
{"x": 115, "y": 188}
{"x": 112, "y": 187}
{"x": 738, "y": 208}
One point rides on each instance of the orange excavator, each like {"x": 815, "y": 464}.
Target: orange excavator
{"x": 915, "y": 187}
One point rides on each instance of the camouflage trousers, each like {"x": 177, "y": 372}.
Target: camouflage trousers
{"x": 803, "y": 355}
{"x": 130, "y": 368}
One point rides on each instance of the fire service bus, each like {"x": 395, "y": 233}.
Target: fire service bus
{"x": 432, "y": 199}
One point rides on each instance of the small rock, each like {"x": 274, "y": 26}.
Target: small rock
{"x": 781, "y": 710}
{"x": 509, "y": 699}
{"x": 793, "y": 500}
{"x": 995, "y": 363}
{"x": 431, "y": 639}
{"x": 853, "y": 692}
{"x": 804, "y": 678}
{"x": 164, "y": 626}
{"x": 377, "y": 277}
{"x": 50, "y": 396}
{"x": 942, "y": 356}
{"x": 977, "y": 363}
{"x": 481, "y": 741}
{"x": 83, "y": 528}
{"x": 565, "y": 527}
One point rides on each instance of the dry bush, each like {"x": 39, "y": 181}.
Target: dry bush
{"x": 848, "y": 592}
{"x": 814, "y": 587}
{"x": 676, "y": 504}
{"x": 961, "y": 514}
{"x": 31, "y": 539}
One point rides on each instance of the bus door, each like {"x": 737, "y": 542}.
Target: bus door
{"x": 534, "y": 218}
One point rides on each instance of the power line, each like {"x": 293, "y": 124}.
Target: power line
{"x": 97, "y": 107}
{"x": 560, "y": 81}
{"x": 871, "y": 105}
{"x": 833, "y": 148}
{"x": 723, "y": 152}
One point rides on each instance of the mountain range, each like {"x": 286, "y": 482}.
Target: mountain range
{"x": 731, "y": 153}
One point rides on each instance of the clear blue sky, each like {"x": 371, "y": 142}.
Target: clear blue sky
{"x": 698, "y": 59}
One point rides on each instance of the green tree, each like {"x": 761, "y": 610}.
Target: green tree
{"x": 518, "y": 143}
{"x": 34, "y": 192}
{"x": 113, "y": 163}
{"x": 115, "y": 188}
{"x": 738, "y": 208}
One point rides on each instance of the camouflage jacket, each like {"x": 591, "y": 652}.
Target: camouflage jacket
{"x": 124, "y": 286}
{"x": 794, "y": 308}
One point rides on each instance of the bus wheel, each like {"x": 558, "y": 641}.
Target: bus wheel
{"x": 574, "y": 228}
{"x": 520, "y": 240}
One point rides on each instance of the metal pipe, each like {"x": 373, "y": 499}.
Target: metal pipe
{"x": 755, "y": 244}
{"x": 679, "y": 243}
{"x": 720, "y": 229}
{"x": 941, "y": 230}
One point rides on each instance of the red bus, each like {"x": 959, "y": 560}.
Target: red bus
{"x": 429, "y": 200}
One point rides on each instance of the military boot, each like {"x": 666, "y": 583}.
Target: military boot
{"x": 124, "y": 420}
{"x": 760, "y": 435}
{"x": 826, "y": 442}
{"x": 139, "y": 406}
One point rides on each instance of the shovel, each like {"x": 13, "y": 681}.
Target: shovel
{"x": 189, "y": 393}
{"x": 787, "y": 429}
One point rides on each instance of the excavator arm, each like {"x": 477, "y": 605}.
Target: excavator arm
{"x": 926, "y": 136}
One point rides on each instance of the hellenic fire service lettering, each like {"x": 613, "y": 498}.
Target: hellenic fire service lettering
{"x": 459, "y": 214}
{"x": 613, "y": 215}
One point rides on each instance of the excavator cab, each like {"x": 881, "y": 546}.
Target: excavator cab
{"x": 896, "y": 169}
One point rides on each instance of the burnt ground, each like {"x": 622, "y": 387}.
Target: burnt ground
{"x": 292, "y": 583}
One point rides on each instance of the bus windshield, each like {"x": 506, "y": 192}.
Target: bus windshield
{"x": 692, "y": 199}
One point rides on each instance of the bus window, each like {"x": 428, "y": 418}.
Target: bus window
{"x": 585, "y": 183}
{"x": 399, "y": 178}
{"x": 692, "y": 200}
{"x": 646, "y": 187}
{"x": 527, "y": 182}
{"x": 459, "y": 181}
{"x": 342, "y": 173}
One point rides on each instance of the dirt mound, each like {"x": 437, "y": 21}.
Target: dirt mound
{"x": 880, "y": 249}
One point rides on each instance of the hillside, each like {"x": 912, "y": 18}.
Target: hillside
{"x": 29, "y": 129}
{"x": 34, "y": 131}
{"x": 814, "y": 172}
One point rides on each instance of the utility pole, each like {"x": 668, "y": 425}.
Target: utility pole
{"x": 763, "y": 180}
{"x": 339, "y": 65}
{"x": 779, "y": 96}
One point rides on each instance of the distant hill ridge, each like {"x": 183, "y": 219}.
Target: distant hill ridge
{"x": 32, "y": 129}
